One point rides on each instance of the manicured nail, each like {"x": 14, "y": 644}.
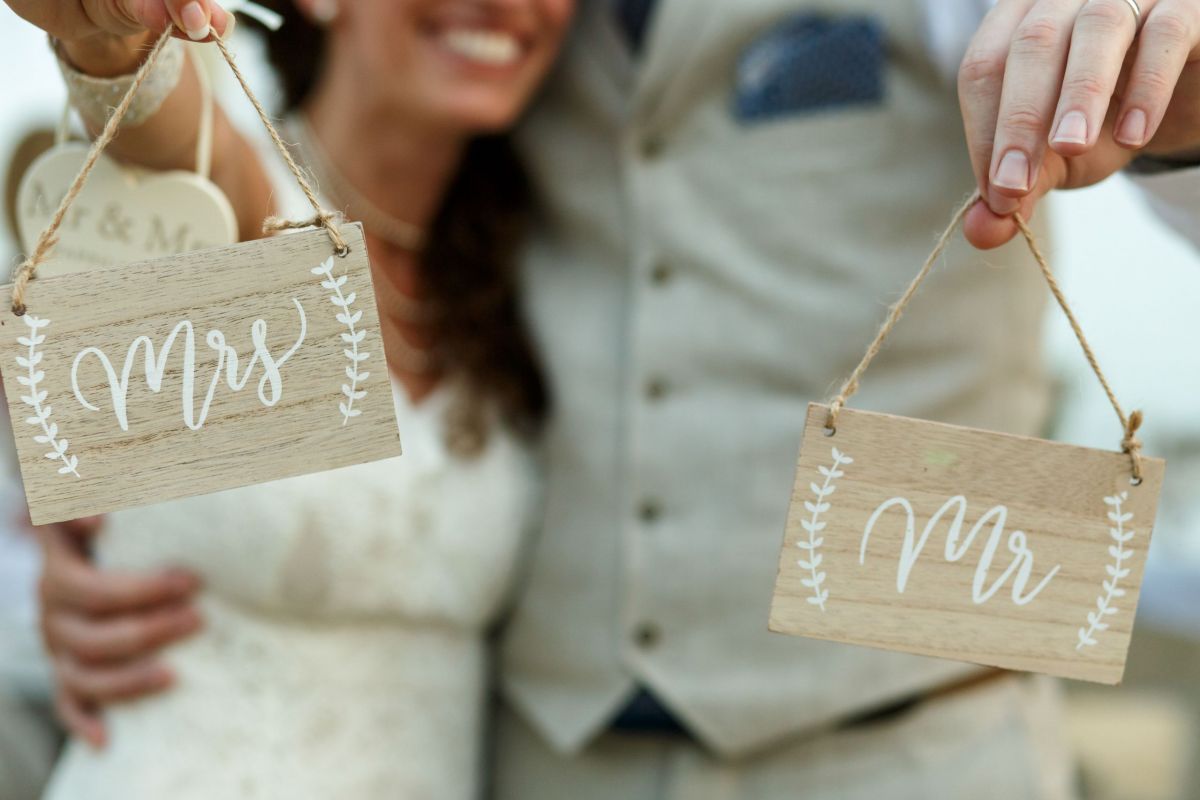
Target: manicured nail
{"x": 1133, "y": 129}
{"x": 1072, "y": 129}
{"x": 96, "y": 738}
{"x": 1013, "y": 172}
{"x": 190, "y": 621}
{"x": 183, "y": 582}
{"x": 229, "y": 26}
{"x": 195, "y": 22}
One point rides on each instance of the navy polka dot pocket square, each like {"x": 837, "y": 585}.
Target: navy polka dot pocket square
{"x": 811, "y": 63}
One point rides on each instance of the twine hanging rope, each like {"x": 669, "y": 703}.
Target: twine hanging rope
{"x": 49, "y": 237}
{"x": 1129, "y": 422}
{"x": 326, "y": 219}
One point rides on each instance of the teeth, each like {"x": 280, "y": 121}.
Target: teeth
{"x": 487, "y": 47}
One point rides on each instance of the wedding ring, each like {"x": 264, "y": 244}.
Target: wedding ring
{"x": 1137, "y": 13}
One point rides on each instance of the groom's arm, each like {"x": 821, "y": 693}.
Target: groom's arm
{"x": 103, "y": 629}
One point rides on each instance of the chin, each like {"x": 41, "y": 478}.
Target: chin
{"x": 481, "y": 118}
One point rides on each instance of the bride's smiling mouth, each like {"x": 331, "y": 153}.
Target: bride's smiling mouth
{"x": 489, "y": 48}
{"x": 481, "y": 48}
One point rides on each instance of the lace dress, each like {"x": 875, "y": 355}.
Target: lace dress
{"x": 343, "y": 654}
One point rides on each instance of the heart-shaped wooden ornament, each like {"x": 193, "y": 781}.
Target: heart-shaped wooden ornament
{"x": 123, "y": 214}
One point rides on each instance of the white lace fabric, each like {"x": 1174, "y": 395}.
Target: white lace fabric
{"x": 343, "y": 653}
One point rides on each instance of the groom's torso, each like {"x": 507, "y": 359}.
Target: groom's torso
{"x": 726, "y": 214}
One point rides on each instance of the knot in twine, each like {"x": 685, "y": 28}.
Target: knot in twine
{"x": 330, "y": 220}
{"x": 1130, "y": 445}
{"x": 25, "y": 273}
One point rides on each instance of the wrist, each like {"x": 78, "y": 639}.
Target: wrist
{"x": 1156, "y": 163}
{"x": 105, "y": 55}
{"x": 94, "y": 95}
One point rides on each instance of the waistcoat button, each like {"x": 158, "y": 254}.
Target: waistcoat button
{"x": 656, "y": 389}
{"x": 660, "y": 275}
{"x": 653, "y": 146}
{"x": 647, "y": 635}
{"x": 649, "y": 511}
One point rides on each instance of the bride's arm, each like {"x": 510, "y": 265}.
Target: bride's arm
{"x": 102, "y": 628}
{"x": 107, "y": 39}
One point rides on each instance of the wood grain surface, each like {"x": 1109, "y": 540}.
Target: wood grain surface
{"x": 247, "y": 306}
{"x": 1034, "y": 562}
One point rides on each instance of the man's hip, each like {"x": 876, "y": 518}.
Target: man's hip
{"x": 997, "y": 739}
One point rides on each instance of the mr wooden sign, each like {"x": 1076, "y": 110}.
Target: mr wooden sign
{"x": 196, "y": 373}
{"x": 964, "y": 544}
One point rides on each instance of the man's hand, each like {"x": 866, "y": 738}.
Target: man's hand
{"x": 102, "y": 629}
{"x": 1060, "y": 94}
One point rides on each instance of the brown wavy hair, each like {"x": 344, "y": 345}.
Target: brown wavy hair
{"x": 468, "y": 269}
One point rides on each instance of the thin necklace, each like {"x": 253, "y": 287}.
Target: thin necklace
{"x": 403, "y": 235}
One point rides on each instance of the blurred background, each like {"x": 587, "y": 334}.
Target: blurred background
{"x": 1134, "y": 285}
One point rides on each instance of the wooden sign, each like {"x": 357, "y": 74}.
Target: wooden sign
{"x": 967, "y": 545}
{"x": 123, "y": 214}
{"x": 200, "y": 372}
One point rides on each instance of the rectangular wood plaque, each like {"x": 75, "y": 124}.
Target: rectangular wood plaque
{"x": 195, "y": 373}
{"x": 964, "y": 544}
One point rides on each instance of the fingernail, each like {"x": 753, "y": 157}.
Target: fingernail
{"x": 195, "y": 21}
{"x": 229, "y": 26}
{"x": 1003, "y": 206}
{"x": 1072, "y": 129}
{"x": 183, "y": 582}
{"x": 1133, "y": 129}
{"x": 1013, "y": 172}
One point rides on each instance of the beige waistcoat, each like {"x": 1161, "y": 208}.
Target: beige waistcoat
{"x": 694, "y": 283}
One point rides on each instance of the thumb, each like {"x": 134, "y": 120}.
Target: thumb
{"x": 987, "y": 230}
{"x": 84, "y": 526}
{"x": 77, "y": 534}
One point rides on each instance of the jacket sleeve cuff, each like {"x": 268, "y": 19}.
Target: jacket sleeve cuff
{"x": 1174, "y": 195}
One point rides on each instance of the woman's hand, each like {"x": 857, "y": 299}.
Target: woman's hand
{"x": 103, "y": 629}
{"x": 108, "y": 37}
{"x": 1060, "y": 94}
{"x": 74, "y": 20}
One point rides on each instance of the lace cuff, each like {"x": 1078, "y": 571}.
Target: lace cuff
{"x": 94, "y": 98}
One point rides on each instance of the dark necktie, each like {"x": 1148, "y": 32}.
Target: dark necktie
{"x": 633, "y": 17}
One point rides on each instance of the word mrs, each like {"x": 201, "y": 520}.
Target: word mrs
{"x": 270, "y": 385}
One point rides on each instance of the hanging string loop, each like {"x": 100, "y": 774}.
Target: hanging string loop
{"x": 1130, "y": 444}
{"x": 48, "y": 238}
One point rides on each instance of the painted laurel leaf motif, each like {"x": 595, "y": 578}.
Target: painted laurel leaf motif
{"x": 814, "y": 526}
{"x": 352, "y": 338}
{"x": 1116, "y": 572}
{"x": 36, "y": 398}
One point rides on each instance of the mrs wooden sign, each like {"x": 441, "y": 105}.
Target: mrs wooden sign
{"x": 200, "y": 372}
{"x": 964, "y": 544}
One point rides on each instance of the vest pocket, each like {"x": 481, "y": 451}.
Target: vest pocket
{"x": 811, "y": 95}
{"x": 811, "y": 63}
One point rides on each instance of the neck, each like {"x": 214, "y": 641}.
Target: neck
{"x": 403, "y": 167}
